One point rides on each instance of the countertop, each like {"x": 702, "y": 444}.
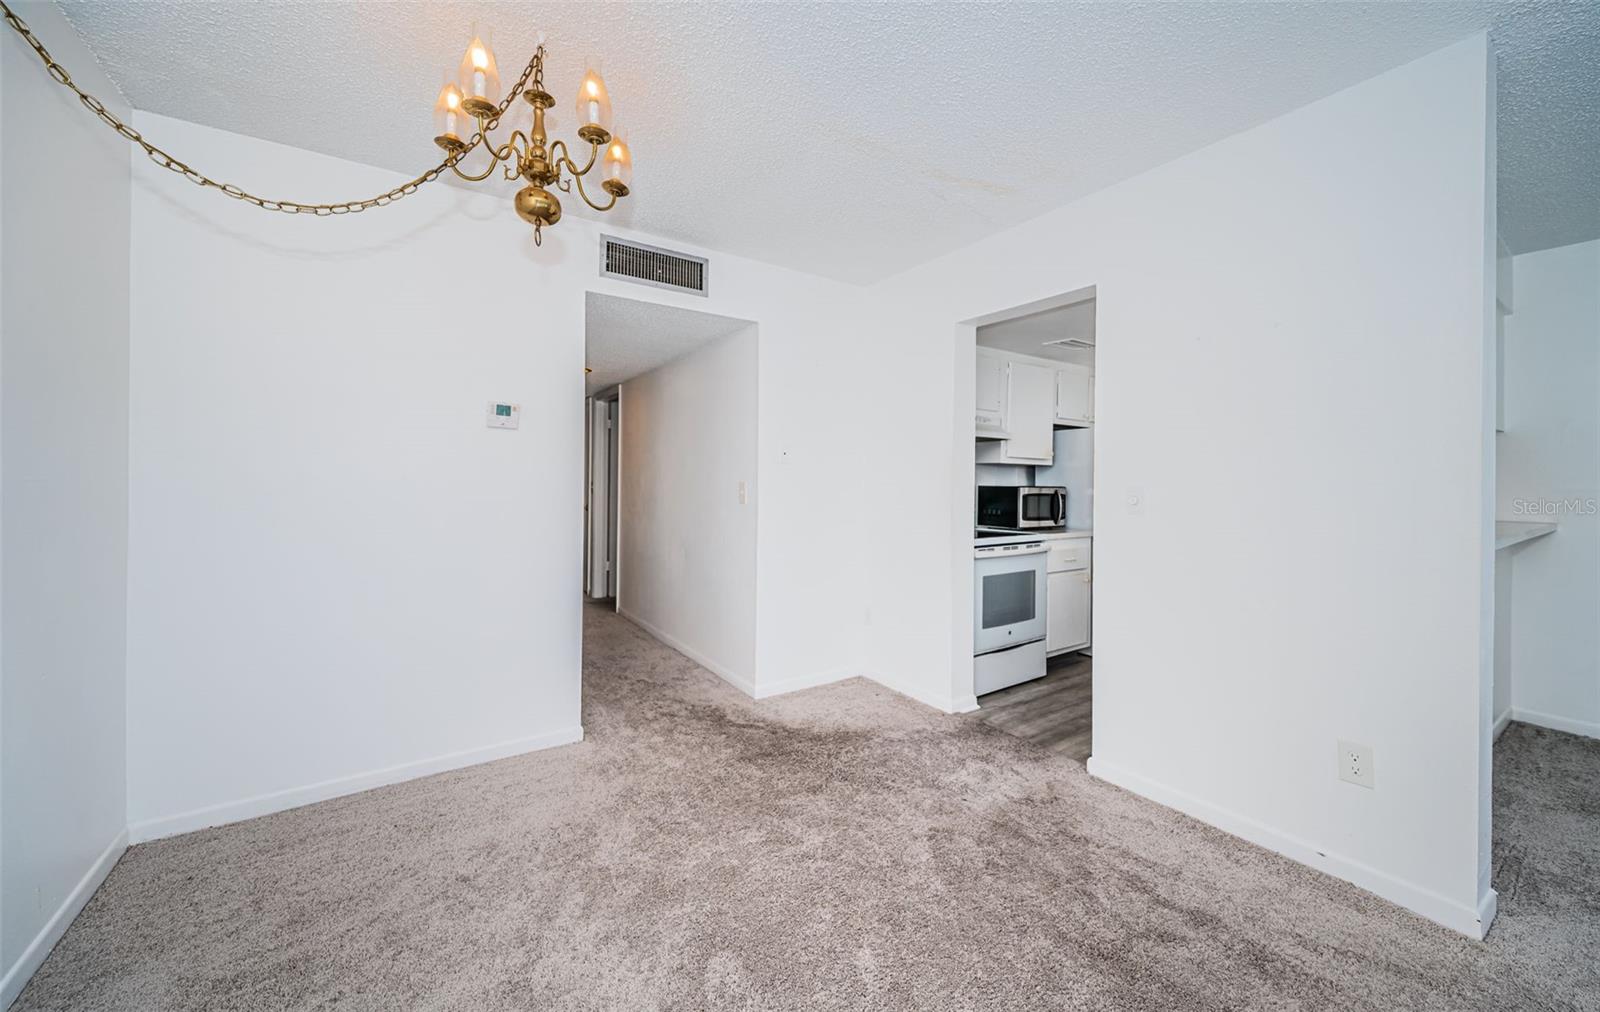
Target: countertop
{"x": 1515, "y": 532}
{"x": 1044, "y": 534}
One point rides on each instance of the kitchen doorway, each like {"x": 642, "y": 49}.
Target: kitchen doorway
{"x": 1030, "y": 578}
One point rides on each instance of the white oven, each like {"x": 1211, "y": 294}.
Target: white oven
{"x": 1008, "y": 608}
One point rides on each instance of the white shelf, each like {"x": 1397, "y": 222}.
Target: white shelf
{"x": 1515, "y": 532}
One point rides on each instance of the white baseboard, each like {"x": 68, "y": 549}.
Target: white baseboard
{"x": 745, "y": 685}
{"x": 294, "y": 797}
{"x": 1501, "y": 723}
{"x": 738, "y": 681}
{"x": 1488, "y": 907}
{"x": 33, "y": 956}
{"x": 944, "y": 704}
{"x": 1587, "y": 728}
{"x": 768, "y": 690}
{"x": 1469, "y": 920}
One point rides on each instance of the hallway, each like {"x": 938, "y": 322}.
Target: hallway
{"x": 699, "y": 850}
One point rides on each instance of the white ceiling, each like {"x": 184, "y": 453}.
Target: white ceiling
{"x": 627, "y": 338}
{"x": 853, "y": 140}
{"x": 1027, "y": 335}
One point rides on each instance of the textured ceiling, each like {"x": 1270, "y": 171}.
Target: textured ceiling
{"x": 853, "y": 140}
{"x": 627, "y": 338}
{"x": 1027, "y": 335}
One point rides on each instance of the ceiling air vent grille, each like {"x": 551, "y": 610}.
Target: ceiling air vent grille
{"x": 649, "y": 265}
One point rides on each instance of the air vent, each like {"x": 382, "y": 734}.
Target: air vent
{"x": 1069, "y": 342}
{"x": 649, "y": 265}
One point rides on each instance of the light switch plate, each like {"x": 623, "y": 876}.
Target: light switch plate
{"x": 501, "y": 415}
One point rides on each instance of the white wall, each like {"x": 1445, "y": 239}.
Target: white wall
{"x": 339, "y": 576}
{"x": 1291, "y": 370}
{"x": 63, "y": 492}
{"x": 688, "y": 546}
{"x": 1549, "y": 470}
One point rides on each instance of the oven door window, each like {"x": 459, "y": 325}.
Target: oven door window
{"x": 1008, "y": 598}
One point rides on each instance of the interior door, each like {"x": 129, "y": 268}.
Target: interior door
{"x": 596, "y": 499}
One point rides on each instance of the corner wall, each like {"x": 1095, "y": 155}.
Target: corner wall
{"x": 64, "y": 203}
{"x": 1290, "y": 373}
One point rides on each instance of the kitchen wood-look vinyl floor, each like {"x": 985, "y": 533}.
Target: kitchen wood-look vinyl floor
{"x": 1053, "y": 712}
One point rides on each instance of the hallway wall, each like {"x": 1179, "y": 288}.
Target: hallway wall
{"x": 1549, "y": 471}
{"x": 688, "y": 545}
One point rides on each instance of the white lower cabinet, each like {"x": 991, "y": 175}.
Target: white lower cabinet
{"x": 1068, "y": 593}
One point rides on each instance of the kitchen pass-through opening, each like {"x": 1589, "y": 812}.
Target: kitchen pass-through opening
{"x": 1032, "y": 549}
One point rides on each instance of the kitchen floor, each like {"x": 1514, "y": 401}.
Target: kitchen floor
{"x": 1052, "y": 712}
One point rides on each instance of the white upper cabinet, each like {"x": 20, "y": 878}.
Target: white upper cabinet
{"x": 1074, "y": 395}
{"x": 991, "y": 406}
{"x": 1030, "y": 398}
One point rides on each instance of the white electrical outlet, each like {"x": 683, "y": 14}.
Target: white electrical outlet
{"x": 744, "y": 494}
{"x": 1355, "y": 764}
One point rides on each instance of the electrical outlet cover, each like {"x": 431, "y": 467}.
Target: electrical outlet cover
{"x": 1355, "y": 764}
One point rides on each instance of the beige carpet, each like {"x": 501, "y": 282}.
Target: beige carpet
{"x": 842, "y": 848}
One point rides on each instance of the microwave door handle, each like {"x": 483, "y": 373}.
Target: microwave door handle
{"x": 1061, "y": 509}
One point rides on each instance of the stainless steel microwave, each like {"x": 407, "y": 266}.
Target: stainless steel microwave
{"x": 1022, "y": 508}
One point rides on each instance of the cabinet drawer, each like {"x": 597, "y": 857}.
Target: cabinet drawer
{"x": 1071, "y": 554}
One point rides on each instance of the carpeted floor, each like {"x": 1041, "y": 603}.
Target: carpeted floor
{"x": 841, "y": 848}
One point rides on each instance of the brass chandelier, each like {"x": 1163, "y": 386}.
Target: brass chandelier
{"x": 473, "y": 101}
{"x": 530, "y": 156}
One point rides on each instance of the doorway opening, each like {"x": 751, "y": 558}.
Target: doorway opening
{"x": 1030, "y": 579}
{"x": 670, "y": 485}
{"x": 600, "y": 496}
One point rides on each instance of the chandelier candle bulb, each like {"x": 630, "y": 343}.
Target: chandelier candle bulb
{"x": 594, "y": 108}
{"x": 449, "y": 121}
{"x": 618, "y": 171}
{"x": 479, "y": 79}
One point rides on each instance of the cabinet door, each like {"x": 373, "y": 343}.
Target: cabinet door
{"x": 991, "y": 400}
{"x": 1074, "y": 395}
{"x": 1030, "y": 407}
{"x": 1067, "y": 597}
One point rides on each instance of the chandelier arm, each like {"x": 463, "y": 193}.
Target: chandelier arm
{"x": 584, "y": 194}
{"x": 566, "y": 157}
{"x": 514, "y": 156}
{"x": 494, "y": 163}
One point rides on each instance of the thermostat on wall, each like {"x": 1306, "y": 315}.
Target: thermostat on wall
{"x": 504, "y": 416}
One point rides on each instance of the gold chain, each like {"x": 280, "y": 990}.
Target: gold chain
{"x": 166, "y": 161}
